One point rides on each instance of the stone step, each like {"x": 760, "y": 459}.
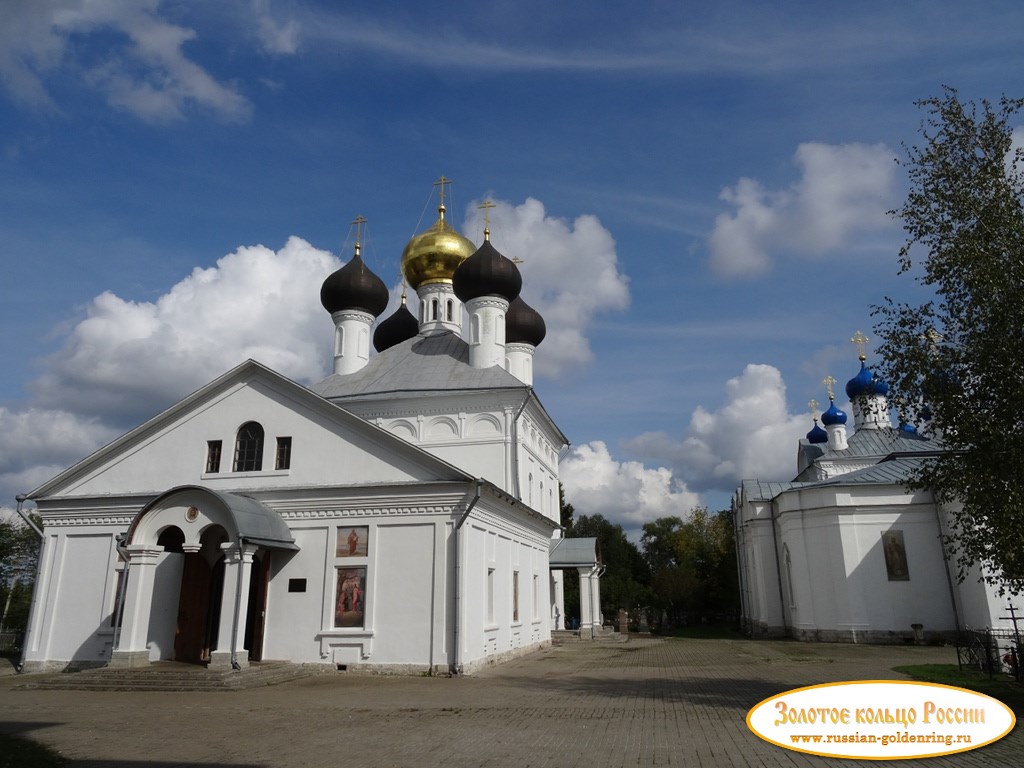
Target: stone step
{"x": 162, "y": 676}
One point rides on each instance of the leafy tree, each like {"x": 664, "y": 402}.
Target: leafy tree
{"x": 693, "y": 563}
{"x": 626, "y": 577}
{"x": 566, "y": 511}
{"x": 953, "y": 361}
{"x": 19, "y": 552}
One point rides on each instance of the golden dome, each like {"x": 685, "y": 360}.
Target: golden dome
{"x": 432, "y": 256}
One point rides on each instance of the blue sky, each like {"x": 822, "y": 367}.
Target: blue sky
{"x": 698, "y": 192}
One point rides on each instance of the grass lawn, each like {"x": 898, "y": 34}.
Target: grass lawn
{"x": 22, "y": 753}
{"x": 1001, "y": 687}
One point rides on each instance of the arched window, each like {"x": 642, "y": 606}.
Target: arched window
{"x": 451, "y": 310}
{"x": 433, "y": 309}
{"x": 249, "y": 448}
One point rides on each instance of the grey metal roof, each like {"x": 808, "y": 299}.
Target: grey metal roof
{"x": 254, "y": 521}
{"x": 258, "y": 523}
{"x": 764, "y": 490}
{"x": 573, "y": 553}
{"x": 895, "y": 471}
{"x": 883, "y": 442}
{"x": 426, "y": 363}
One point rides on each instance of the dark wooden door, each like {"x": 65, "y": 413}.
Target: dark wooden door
{"x": 256, "y": 618}
{"x": 193, "y": 610}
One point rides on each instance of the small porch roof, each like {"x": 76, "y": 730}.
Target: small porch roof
{"x": 574, "y": 553}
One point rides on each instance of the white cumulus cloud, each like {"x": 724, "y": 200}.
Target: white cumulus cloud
{"x": 126, "y": 360}
{"x": 145, "y": 72}
{"x": 752, "y": 435}
{"x": 624, "y": 492}
{"x": 570, "y": 274}
{"x": 843, "y": 192}
{"x": 36, "y": 444}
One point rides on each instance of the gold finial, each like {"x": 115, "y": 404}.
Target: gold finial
{"x": 813, "y": 405}
{"x": 830, "y": 384}
{"x": 934, "y": 337}
{"x": 401, "y": 277}
{"x": 860, "y": 340}
{"x": 442, "y": 182}
{"x": 487, "y": 205}
{"x": 358, "y": 223}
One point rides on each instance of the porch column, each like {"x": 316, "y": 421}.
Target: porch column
{"x": 557, "y": 600}
{"x": 233, "y": 606}
{"x": 595, "y": 595}
{"x": 586, "y": 603}
{"x": 131, "y": 650}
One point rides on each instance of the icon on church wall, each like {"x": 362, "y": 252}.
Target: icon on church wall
{"x": 895, "y": 556}
{"x": 351, "y": 598}
{"x": 352, "y": 542}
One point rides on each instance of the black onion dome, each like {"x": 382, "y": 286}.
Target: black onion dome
{"x": 487, "y": 273}
{"x": 354, "y": 286}
{"x": 402, "y": 325}
{"x": 523, "y": 324}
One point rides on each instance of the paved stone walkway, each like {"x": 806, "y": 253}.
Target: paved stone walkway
{"x": 642, "y": 703}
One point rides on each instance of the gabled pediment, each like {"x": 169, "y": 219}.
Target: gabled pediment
{"x": 329, "y": 445}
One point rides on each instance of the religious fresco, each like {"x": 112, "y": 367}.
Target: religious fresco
{"x": 352, "y": 542}
{"x": 895, "y": 556}
{"x": 351, "y": 597}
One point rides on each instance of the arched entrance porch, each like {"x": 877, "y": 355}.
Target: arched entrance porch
{"x": 584, "y": 556}
{"x": 197, "y": 565}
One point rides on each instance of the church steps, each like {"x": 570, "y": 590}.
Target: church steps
{"x": 168, "y": 677}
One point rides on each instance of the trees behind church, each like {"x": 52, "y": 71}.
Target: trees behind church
{"x": 953, "y": 360}
{"x": 684, "y": 571}
{"x": 19, "y": 549}
{"x": 693, "y": 567}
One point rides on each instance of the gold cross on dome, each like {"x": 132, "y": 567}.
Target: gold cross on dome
{"x": 934, "y": 337}
{"x": 813, "y": 405}
{"x": 358, "y": 224}
{"x": 830, "y": 384}
{"x": 860, "y": 340}
{"x": 487, "y": 205}
{"x": 442, "y": 183}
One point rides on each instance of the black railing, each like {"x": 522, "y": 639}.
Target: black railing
{"x": 994, "y": 651}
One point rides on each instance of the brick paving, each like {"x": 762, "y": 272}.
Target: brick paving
{"x": 641, "y": 703}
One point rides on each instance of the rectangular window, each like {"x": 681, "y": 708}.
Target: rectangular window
{"x": 283, "y": 458}
{"x": 490, "y": 596}
{"x": 515, "y": 596}
{"x": 296, "y": 585}
{"x": 212, "y": 456}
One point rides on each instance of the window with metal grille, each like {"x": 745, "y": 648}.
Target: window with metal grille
{"x": 249, "y": 448}
{"x": 213, "y": 450}
{"x": 283, "y": 457}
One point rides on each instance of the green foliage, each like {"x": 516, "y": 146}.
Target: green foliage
{"x": 626, "y": 577}
{"x": 959, "y": 352}
{"x": 566, "y": 511}
{"x": 693, "y": 564}
{"x": 19, "y": 551}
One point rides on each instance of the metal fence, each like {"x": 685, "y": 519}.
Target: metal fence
{"x": 11, "y": 641}
{"x": 995, "y": 651}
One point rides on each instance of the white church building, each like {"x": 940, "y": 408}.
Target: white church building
{"x": 397, "y": 516}
{"x": 845, "y": 552}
